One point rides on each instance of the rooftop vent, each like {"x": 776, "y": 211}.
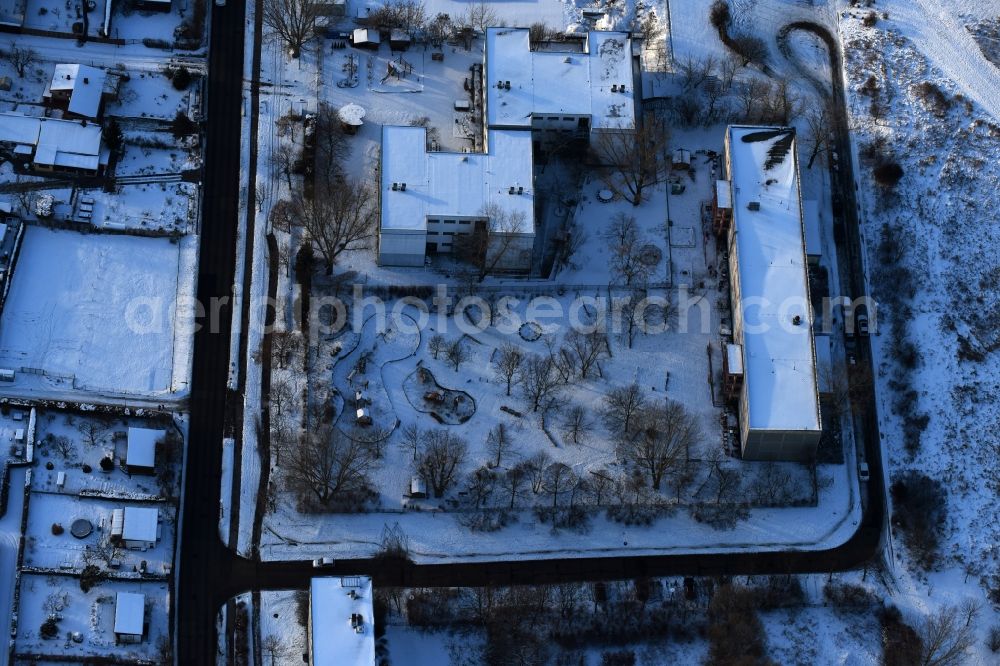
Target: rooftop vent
{"x": 402, "y": 187}
{"x": 754, "y": 205}
{"x": 520, "y": 190}
{"x": 395, "y": 186}
{"x": 511, "y": 190}
{"x": 796, "y": 320}
{"x": 568, "y": 60}
{"x": 614, "y": 87}
{"x": 621, "y": 87}
{"x": 86, "y": 80}
{"x": 506, "y": 85}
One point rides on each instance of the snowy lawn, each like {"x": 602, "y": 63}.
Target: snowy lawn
{"x": 103, "y": 320}
{"x": 284, "y": 639}
{"x": 151, "y": 95}
{"x": 90, "y": 613}
{"x": 167, "y": 207}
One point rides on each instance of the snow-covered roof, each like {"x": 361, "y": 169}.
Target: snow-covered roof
{"x": 335, "y": 642}
{"x": 66, "y": 143}
{"x": 130, "y": 612}
{"x": 363, "y": 35}
{"x": 734, "y": 359}
{"x": 140, "y": 524}
{"x": 62, "y": 143}
{"x": 453, "y": 184}
{"x": 558, "y": 82}
{"x": 779, "y": 361}
{"x": 85, "y": 84}
{"x": 723, "y": 194}
{"x": 141, "y": 449}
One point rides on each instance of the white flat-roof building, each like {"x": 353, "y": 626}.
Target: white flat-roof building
{"x": 140, "y": 527}
{"x": 130, "y": 617}
{"x": 429, "y": 198}
{"x": 772, "y": 317}
{"x": 341, "y": 628}
{"x": 555, "y": 91}
{"x": 140, "y": 453}
{"x": 50, "y": 144}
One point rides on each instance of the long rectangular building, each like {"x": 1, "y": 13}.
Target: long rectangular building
{"x": 772, "y": 316}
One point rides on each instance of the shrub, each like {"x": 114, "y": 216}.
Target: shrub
{"x": 870, "y": 19}
{"x": 920, "y": 509}
{"x": 933, "y": 97}
{"x": 993, "y": 639}
{"x": 87, "y": 469}
{"x": 49, "y": 628}
{"x": 847, "y": 596}
{"x": 107, "y": 464}
{"x": 901, "y": 645}
{"x": 181, "y": 78}
{"x": 719, "y": 15}
{"x": 888, "y": 174}
{"x": 89, "y": 577}
{"x": 182, "y": 126}
{"x": 57, "y": 529}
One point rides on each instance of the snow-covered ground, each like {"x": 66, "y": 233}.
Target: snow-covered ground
{"x": 99, "y": 313}
{"x": 10, "y": 533}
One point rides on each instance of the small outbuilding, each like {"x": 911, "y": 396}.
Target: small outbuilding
{"x": 399, "y": 40}
{"x": 140, "y": 455}
{"x": 352, "y": 117}
{"x": 130, "y": 617}
{"x": 681, "y": 160}
{"x": 136, "y": 528}
{"x": 366, "y": 38}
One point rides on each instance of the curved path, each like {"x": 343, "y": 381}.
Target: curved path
{"x": 210, "y": 574}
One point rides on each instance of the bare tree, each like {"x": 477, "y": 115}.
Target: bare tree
{"x": 479, "y": 487}
{"x": 284, "y": 344}
{"x": 500, "y": 444}
{"x": 634, "y": 158}
{"x": 331, "y": 143}
{"x": 62, "y": 445}
{"x": 557, "y": 479}
{"x": 694, "y": 72}
{"x": 589, "y": 349}
{"x": 626, "y": 241}
{"x": 20, "y": 59}
{"x": 539, "y": 32}
{"x": 274, "y": 648}
{"x": 620, "y": 407}
{"x": 105, "y": 550}
{"x": 326, "y": 463}
{"x": 443, "y": 453}
{"x": 946, "y": 638}
{"x": 512, "y": 483}
{"x": 534, "y": 468}
{"x": 751, "y": 48}
{"x": 479, "y": 16}
{"x": 412, "y": 439}
{"x": 819, "y": 124}
{"x": 340, "y": 217}
{"x": 437, "y": 344}
{"x": 661, "y": 437}
{"x": 457, "y": 353}
{"x": 575, "y": 424}
{"x": 539, "y": 379}
{"x": 507, "y": 362}
{"x": 439, "y": 29}
{"x": 93, "y": 431}
{"x": 283, "y": 160}
{"x": 292, "y": 21}
{"x": 728, "y": 67}
{"x": 494, "y": 238}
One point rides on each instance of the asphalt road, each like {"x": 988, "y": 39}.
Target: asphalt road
{"x": 210, "y": 573}
{"x": 204, "y": 563}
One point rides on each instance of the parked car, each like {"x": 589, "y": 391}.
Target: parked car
{"x": 323, "y": 562}
{"x": 863, "y": 472}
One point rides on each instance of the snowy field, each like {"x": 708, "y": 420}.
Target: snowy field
{"x": 153, "y": 153}
{"x": 103, "y": 320}
{"x": 90, "y": 613}
{"x": 151, "y": 95}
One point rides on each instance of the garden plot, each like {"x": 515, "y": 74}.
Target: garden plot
{"x": 95, "y": 313}
{"x": 15, "y": 425}
{"x": 669, "y": 365}
{"x": 150, "y": 95}
{"x": 131, "y": 23}
{"x": 92, "y": 614}
{"x": 75, "y": 445}
{"x": 24, "y": 90}
{"x": 283, "y": 635}
{"x": 153, "y": 153}
{"x": 164, "y": 207}
{"x": 57, "y": 16}
{"x": 45, "y": 549}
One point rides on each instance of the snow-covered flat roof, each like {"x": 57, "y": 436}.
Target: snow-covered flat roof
{"x": 335, "y": 642}
{"x": 140, "y": 524}
{"x": 453, "y": 184}
{"x": 18, "y": 128}
{"x": 86, "y": 85}
{"x": 130, "y": 613}
{"x": 779, "y": 362}
{"x": 141, "y": 450}
{"x": 554, "y": 82}
{"x": 723, "y": 194}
